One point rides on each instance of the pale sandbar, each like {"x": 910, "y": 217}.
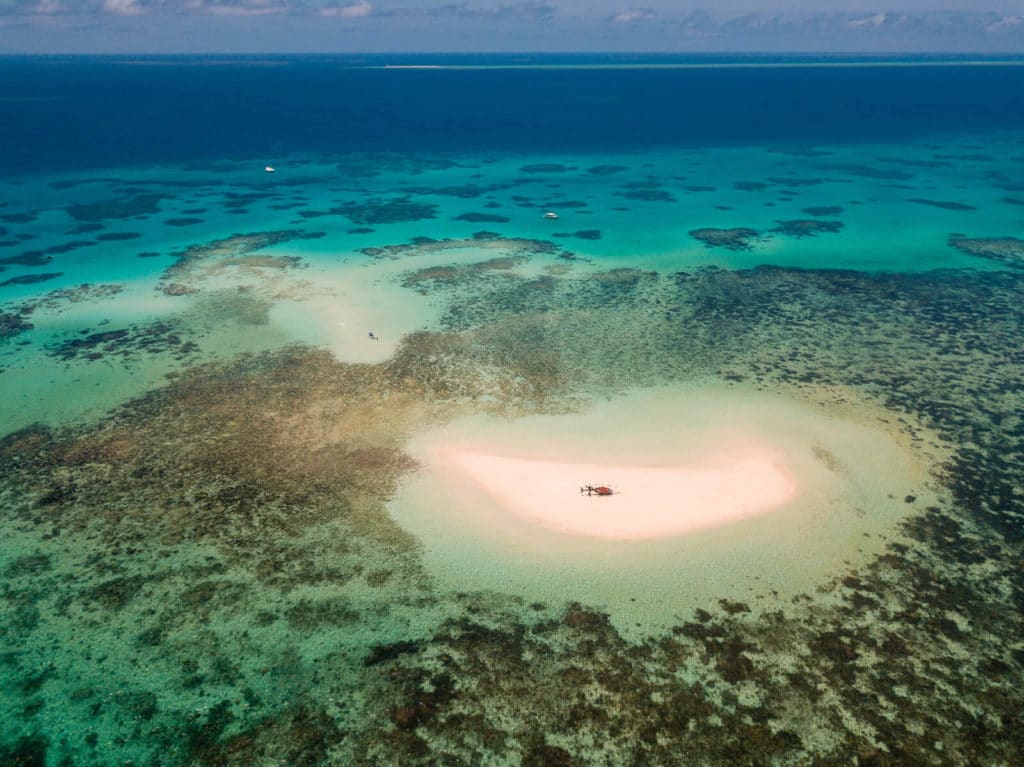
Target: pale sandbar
{"x": 646, "y": 501}
{"x": 719, "y": 491}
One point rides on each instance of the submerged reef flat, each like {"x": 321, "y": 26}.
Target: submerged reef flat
{"x": 386, "y": 211}
{"x": 737, "y": 238}
{"x": 154, "y": 338}
{"x": 823, "y": 210}
{"x": 1006, "y": 250}
{"x": 481, "y": 240}
{"x": 12, "y": 324}
{"x": 31, "y": 279}
{"x": 202, "y": 261}
{"x": 118, "y": 208}
{"x": 209, "y": 574}
{"x": 944, "y": 204}
{"x": 743, "y": 238}
{"x": 803, "y": 227}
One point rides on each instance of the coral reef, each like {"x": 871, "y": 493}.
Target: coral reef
{"x": 118, "y": 208}
{"x": 490, "y": 218}
{"x": 804, "y": 227}
{"x": 31, "y": 279}
{"x": 944, "y": 204}
{"x": 240, "y": 250}
{"x": 385, "y": 211}
{"x": 12, "y": 325}
{"x": 1006, "y": 250}
{"x": 737, "y": 238}
{"x": 823, "y": 210}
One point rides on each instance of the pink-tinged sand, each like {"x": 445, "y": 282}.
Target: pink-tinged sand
{"x": 647, "y": 502}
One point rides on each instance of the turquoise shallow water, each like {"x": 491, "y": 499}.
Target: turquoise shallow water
{"x": 641, "y": 204}
{"x": 878, "y": 208}
{"x": 198, "y": 565}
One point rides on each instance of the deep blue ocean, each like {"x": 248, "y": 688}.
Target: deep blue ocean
{"x": 62, "y": 113}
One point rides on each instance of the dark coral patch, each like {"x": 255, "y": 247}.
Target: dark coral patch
{"x": 45, "y": 256}
{"x": 113, "y": 594}
{"x": 299, "y": 736}
{"x": 823, "y": 210}
{"x": 606, "y": 170}
{"x": 28, "y": 258}
{"x": 546, "y": 167}
{"x": 122, "y": 207}
{"x": 384, "y": 653}
{"x": 483, "y": 218}
{"x": 155, "y": 338}
{"x": 1007, "y": 250}
{"x": 386, "y": 211}
{"x": 118, "y": 236}
{"x": 237, "y": 250}
{"x": 183, "y": 221}
{"x": 310, "y": 615}
{"x": 944, "y": 204}
{"x": 513, "y": 246}
{"x": 86, "y": 229}
{"x": 737, "y": 238}
{"x": 67, "y": 247}
{"x": 807, "y": 227}
{"x": 867, "y": 171}
{"x": 647, "y": 195}
{"x": 582, "y": 234}
{"x": 31, "y": 279}
{"x": 19, "y": 218}
{"x": 795, "y": 181}
{"x": 28, "y": 751}
{"x": 12, "y": 325}
{"x": 462, "y": 191}
{"x": 435, "y": 277}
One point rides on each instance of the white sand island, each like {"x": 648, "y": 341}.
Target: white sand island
{"x": 719, "y": 491}
{"x": 646, "y": 502}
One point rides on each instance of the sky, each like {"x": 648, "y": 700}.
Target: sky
{"x": 358, "y": 26}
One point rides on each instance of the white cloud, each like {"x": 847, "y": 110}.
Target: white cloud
{"x": 873, "y": 21}
{"x": 1006, "y": 22}
{"x": 241, "y": 10}
{"x": 358, "y": 10}
{"x": 122, "y": 7}
{"x": 633, "y": 15}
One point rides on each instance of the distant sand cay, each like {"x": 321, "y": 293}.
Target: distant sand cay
{"x": 724, "y": 491}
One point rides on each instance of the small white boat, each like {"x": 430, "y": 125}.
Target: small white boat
{"x": 551, "y": 214}
{"x": 268, "y": 169}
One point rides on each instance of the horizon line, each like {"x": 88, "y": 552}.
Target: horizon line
{"x": 939, "y": 56}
